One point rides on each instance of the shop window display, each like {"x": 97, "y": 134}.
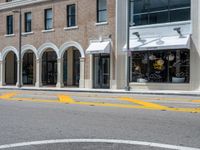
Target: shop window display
{"x": 171, "y": 66}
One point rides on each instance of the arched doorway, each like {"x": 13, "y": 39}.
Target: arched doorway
{"x": 71, "y": 67}
{"x": 11, "y": 68}
{"x": 49, "y": 68}
{"x": 29, "y": 68}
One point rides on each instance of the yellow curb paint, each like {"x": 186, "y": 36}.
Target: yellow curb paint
{"x": 145, "y": 104}
{"x": 8, "y": 95}
{"x": 65, "y": 99}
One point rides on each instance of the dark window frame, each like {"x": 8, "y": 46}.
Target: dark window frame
{"x": 100, "y": 11}
{"x": 9, "y": 26}
{"x": 27, "y": 22}
{"x": 46, "y": 19}
{"x": 71, "y": 16}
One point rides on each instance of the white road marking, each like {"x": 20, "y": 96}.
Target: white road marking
{"x": 149, "y": 144}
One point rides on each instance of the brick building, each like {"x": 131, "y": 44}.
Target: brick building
{"x": 55, "y": 36}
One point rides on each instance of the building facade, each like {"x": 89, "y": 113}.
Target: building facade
{"x": 55, "y": 37}
{"x": 164, "y": 44}
{"x": 82, "y": 43}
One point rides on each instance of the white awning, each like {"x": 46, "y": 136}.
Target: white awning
{"x": 99, "y": 48}
{"x": 163, "y": 43}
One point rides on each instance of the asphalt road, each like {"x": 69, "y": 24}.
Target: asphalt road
{"x": 26, "y": 121}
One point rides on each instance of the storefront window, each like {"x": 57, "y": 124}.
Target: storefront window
{"x": 171, "y": 66}
{"x": 143, "y": 12}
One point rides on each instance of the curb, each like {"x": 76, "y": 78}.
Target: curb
{"x": 180, "y": 93}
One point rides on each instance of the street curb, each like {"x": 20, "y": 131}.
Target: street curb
{"x": 180, "y": 93}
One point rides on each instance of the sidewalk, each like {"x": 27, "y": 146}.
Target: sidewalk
{"x": 120, "y": 91}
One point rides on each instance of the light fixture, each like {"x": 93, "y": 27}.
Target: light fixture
{"x": 178, "y": 30}
{"x": 137, "y": 34}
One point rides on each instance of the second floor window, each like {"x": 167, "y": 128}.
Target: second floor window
{"x": 10, "y": 24}
{"x": 28, "y": 20}
{"x": 101, "y": 10}
{"x": 48, "y": 21}
{"x": 71, "y": 15}
{"x": 145, "y": 12}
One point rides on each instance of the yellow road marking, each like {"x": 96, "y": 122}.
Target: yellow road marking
{"x": 65, "y": 99}
{"x": 160, "y": 107}
{"x": 34, "y": 100}
{"x": 8, "y": 95}
{"x": 145, "y": 104}
{"x": 196, "y": 101}
{"x": 141, "y": 98}
{"x": 142, "y": 104}
{"x": 192, "y": 110}
{"x": 69, "y": 100}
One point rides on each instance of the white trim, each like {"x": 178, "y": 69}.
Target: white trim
{"x": 163, "y": 43}
{"x": 18, "y": 3}
{"x": 9, "y": 35}
{"x": 101, "y": 23}
{"x": 67, "y": 45}
{"x": 8, "y": 49}
{"x": 28, "y": 47}
{"x": 46, "y": 31}
{"x": 112, "y": 141}
{"x": 71, "y": 28}
{"x": 27, "y": 33}
{"x": 46, "y": 46}
{"x": 0, "y": 57}
{"x": 161, "y": 25}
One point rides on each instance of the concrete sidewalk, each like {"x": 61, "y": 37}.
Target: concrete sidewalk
{"x": 120, "y": 91}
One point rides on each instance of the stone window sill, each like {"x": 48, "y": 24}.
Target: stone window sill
{"x": 71, "y": 28}
{"x": 9, "y": 35}
{"x": 27, "y": 33}
{"x": 46, "y": 31}
{"x": 101, "y": 23}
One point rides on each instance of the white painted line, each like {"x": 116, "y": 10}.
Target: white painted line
{"x": 149, "y": 144}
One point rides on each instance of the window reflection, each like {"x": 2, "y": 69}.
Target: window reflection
{"x": 161, "y": 66}
{"x": 159, "y": 11}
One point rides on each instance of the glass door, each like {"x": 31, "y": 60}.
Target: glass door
{"x": 105, "y": 74}
{"x": 101, "y": 74}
